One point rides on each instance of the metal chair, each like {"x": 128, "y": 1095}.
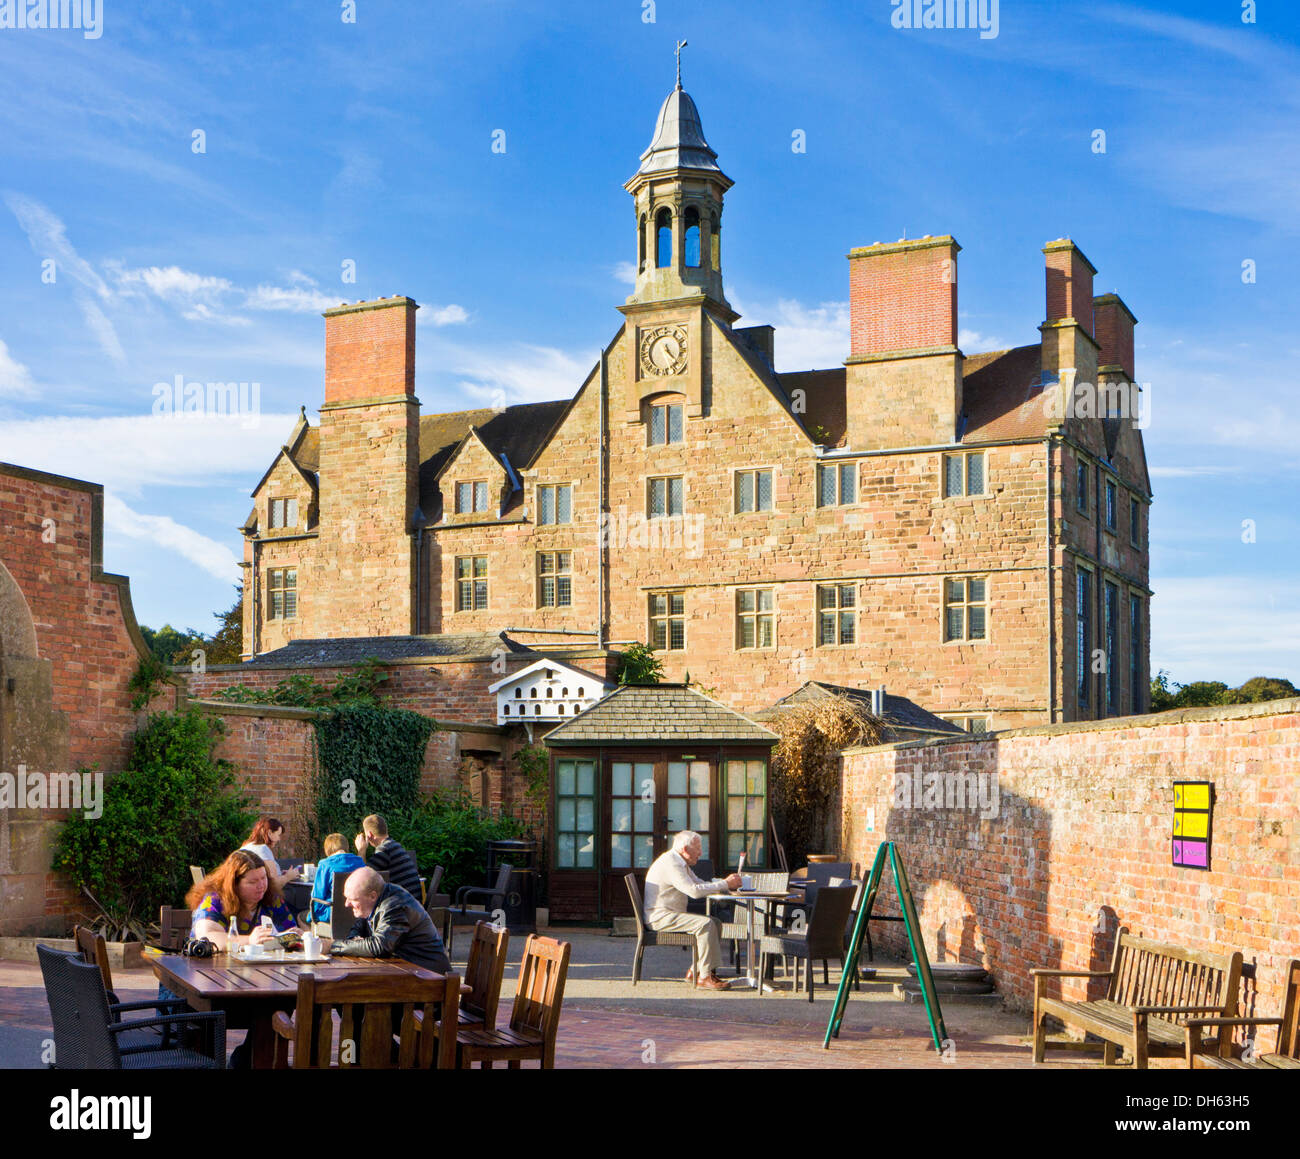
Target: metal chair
{"x": 822, "y": 939}
{"x": 535, "y": 1018}
{"x": 645, "y": 936}
{"x": 734, "y": 930}
{"x": 89, "y": 1033}
{"x": 368, "y": 1005}
{"x": 436, "y": 904}
{"x": 459, "y": 914}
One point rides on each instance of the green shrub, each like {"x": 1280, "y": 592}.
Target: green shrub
{"x": 171, "y": 807}
{"x": 450, "y": 830}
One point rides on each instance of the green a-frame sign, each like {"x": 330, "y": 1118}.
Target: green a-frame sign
{"x": 917, "y": 943}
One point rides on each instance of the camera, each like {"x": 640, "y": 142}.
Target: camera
{"x": 198, "y": 948}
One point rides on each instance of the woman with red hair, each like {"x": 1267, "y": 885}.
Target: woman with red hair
{"x": 262, "y": 840}
{"x": 239, "y": 888}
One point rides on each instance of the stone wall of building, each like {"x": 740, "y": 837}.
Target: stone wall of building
{"x": 1077, "y": 840}
{"x": 69, "y": 644}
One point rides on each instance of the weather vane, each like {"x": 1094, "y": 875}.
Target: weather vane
{"x": 680, "y": 45}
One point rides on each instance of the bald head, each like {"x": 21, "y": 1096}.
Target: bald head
{"x": 362, "y": 890}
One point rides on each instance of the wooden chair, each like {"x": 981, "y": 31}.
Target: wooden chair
{"x": 174, "y": 924}
{"x": 535, "y": 1019}
{"x": 94, "y": 951}
{"x": 483, "y": 975}
{"x": 645, "y": 936}
{"x": 1287, "y": 1055}
{"x": 196, "y": 874}
{"x": 367, "y": 1005}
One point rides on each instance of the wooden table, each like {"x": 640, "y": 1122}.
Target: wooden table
{"x": 251, "y": 992}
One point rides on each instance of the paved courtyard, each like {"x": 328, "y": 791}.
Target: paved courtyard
{"x": 662, "y": 1022}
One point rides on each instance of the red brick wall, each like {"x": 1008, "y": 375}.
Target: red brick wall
{"x": 1069, "y": 283}
{"x": 71, "y": 705}
{"x": 1080, "y": 842}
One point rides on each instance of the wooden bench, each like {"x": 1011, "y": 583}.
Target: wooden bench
{"x": 1287, "y": 1055}
{"x": 1153, "y": 990}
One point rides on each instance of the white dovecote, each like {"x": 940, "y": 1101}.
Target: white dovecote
{"x": 546, "y": 692}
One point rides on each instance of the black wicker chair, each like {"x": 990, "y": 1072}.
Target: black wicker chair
{"x": 734, "y": 930}
{"x": 89, "y": 1032}
{"x": 436, "y": 904}
{"x": 492, "y": 897}
{"x": 822, "y": 939}
{"x": 645, "y": 936}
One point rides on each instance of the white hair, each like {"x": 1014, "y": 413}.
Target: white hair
{"x": 684, "y": 839}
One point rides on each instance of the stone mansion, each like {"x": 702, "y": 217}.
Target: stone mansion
{"x": 969, "y": 531}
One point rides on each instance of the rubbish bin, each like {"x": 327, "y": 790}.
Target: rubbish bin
{"x": 521, "y": 892}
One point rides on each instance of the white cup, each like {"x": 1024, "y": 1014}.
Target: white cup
{"x": 254, "y": 950}
{"x": 310, "y": 945}
{"x": 746, "y": 882}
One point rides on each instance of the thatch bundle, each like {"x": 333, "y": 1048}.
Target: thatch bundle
{"x": 806, "y": 767}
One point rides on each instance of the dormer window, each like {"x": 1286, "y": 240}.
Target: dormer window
{"x": 284, "y": 513}
{"x": 471, "y": 497}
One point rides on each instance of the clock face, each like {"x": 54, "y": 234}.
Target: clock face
{"x": 663, "y": 350}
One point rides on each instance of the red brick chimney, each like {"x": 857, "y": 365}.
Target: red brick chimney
{"x": 903, "y": 373}
{"x": 370, "y": 350}
{"x": 903, "y": 297}
{"x": 1069, "y": 284}
{"x": 1115, "y": 323}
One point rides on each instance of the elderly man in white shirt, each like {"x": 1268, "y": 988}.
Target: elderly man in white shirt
{"x": 669, "y": 883}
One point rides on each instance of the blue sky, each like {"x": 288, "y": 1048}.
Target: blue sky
{"x": 328, "y": 142}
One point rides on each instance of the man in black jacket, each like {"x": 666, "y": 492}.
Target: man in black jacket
{"x": 390, "y": 924}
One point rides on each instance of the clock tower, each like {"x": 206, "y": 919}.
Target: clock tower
{"x": 678, "y": 191}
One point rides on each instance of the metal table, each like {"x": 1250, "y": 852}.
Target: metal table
{"x": 750, "y": 980}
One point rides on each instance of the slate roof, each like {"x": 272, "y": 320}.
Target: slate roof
{"x": 899, "y": 712}
{"x": 654, "y": 713}
{"x": 1002, "y": 396}
{"x": 353, "y": 650}
{"x": 679, "y": 138}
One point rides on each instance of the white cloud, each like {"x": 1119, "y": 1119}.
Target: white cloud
{"x": 450, "y": 315}
{"x": 15, "y": 379}
{"x": 163, "y": 531}
{"x": 807, "y": 337}
{"x": 128, "y": 453}
{"x": 1190, "y": 472}
{"x": 1226, "y": 627}
{"x": 48, "y": 237}
{"x": 516, "y": 374}
{"x": 973, "y": 342}
{"x": 625, "y": 272}
{"x": 170, "y": 281}
{"x": 299, "y": 299}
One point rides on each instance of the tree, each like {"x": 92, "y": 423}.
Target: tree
{"x": 171, "y": 646}
{"x": 640, "y": 666}
{"x": 227, "y": 645}
{"x": 1261, "y": 688}
{"x": 1201, "y": 694}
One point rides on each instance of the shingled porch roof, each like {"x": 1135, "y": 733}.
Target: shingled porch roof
{"x": 656, "y": 714}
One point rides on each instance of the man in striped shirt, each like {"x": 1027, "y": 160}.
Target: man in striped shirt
{"x": 388, "y": 857}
